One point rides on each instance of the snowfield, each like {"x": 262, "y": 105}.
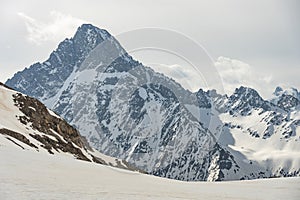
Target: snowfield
{"x": 27, "y": 174}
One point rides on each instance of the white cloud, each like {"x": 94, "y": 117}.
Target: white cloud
{"x": 235, "y": 73}
{"x": 60, "y": 27}
{"x": 187, "y": 76}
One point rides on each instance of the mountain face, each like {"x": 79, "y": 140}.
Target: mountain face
{"x": 53, "y": 73}
{"x": 29, "y": 125}
{"x": 129, "y": 111}
{"x": 262, "y": 134}
{"x": 286, "y": 99}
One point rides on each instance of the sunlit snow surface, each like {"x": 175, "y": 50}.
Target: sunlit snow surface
{"x": 26, "y": 174}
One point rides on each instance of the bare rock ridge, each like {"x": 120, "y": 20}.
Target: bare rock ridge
{"x": 39, "y": 118}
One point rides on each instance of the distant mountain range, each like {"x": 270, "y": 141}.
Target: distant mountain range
{"x": 129, "y": 111}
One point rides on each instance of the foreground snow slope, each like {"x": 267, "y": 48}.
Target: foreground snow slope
{"x": 32, "y": 175}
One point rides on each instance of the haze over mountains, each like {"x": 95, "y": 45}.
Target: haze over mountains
{"x": 127, "y": 110}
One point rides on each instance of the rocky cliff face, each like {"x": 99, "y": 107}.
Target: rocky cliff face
{"x": 129, "y": 111}
{"x": 37, "y": 116}
{"x": 287, "y": 100}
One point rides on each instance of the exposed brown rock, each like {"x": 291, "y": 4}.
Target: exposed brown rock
{"x": 98, "y": 160}
{"x": 37, "y": 115}
{"x": 17, "y": 136}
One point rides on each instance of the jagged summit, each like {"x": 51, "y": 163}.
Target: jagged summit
{"x": 278, "y": 91}
{"x": 288, "y": 91}
{"x": 244, "y": 99}
{"x": 87, "y": 37}
{"x": 89, "y": 28}
{"x": 287, "y": 102}
{"x": 52, "y": 73}
{"x": 247, "y": 95}
{"x": 286, "y": 99}
{"x": 246, "y": 91}
{"x": 203, "y": 99}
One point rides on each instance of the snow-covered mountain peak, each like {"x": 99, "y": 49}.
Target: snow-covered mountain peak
{"x": 288, "y": 91}
{"x": 287, "y": 99}
{"x": 129, "y": 111}
{"x": 87, "y": 37}
{"x": 89, "y": 31}
{"x": 203, "y": 99}
{"x": 242, "y": 92}
{"x": 244, "y": 99}
{"x": 278, "y": 91}
{"x": 62, "y": 62}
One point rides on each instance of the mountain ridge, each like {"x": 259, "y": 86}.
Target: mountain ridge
{"x": 129, "y": 111}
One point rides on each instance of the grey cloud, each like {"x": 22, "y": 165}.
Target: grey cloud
{"x": 264, "y": 34}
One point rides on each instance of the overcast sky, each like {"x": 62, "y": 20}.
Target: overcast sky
{"x": 254, "y": 43}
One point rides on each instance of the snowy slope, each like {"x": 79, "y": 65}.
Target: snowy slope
{"x": 48, "y": 177}
{"x": 28, "y": 125}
